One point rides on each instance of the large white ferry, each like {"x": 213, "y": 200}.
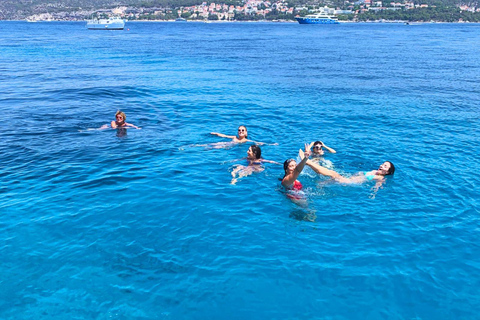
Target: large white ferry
{"x": 318, "y": 18}
{"x": 113, "y": 23}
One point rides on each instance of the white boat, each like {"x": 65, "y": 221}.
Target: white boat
{"x": 113, "y": 23}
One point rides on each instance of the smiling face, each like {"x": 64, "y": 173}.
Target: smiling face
{"x": 120, "y": 117}
{"x": 242, "y": 132}
{"x": 317, "y": 149}
{"x": 385, "y": 168}
{"x": 291, "y": 167}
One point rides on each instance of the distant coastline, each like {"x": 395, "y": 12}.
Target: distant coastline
{"x": 255, "y": 21}
{"x": 247, "y": 11}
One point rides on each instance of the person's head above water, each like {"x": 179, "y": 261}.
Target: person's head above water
{"x": 242, "y": 132}
{"x": 289, "y": 165}
{"x": 317, "y": 147}
{"x": 120, "y": 117}
{"x": 254, "y": 152}
{"x": 386, "y": 168}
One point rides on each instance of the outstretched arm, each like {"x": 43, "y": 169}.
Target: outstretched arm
{"x": 229, "y": 161}
{"x": 258, "y": 143}
{"x": 270, "y": 161}
{"x": 131, "y": 125}
{"x": 222, "y": 135}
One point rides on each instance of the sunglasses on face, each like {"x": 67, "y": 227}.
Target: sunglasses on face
{"x": 241, "y": 130}
{"x": 318, "y": 147}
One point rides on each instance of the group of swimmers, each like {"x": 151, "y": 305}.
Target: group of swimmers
{"x": 293, "y": 170}
{"x": 291, "y": 167}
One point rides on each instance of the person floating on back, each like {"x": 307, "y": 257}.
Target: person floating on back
{"x": 385, "y": 169}
{"x": 241, "y": 137}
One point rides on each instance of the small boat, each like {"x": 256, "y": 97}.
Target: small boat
{"x": 180, "y": 19}
{"x": 113, "y": 23}
{"x": 318, "y": 18}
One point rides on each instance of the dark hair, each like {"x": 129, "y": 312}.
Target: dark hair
{"x": 285, "y": 166}
{"x": 391, "y": 170}
{"x": 256, "y": 151}
{"x": 317, "y": 142}
{"x": 246, "y": 131}
{"x": 286, "y": 163}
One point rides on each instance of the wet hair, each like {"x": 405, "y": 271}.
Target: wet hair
{"x": 317, "y": 142}
{"x": 256, "y": 151}
{"x": 285, "y": 166}
{"x": 286, "y": 163}
{"x": 122, "y": 114}
{"x": 246, "y": 131}
{"x": 391, "y": 170}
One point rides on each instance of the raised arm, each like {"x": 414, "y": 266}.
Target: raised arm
{"x": 290, "y": 178}
{"x": 222, "y": 135}
{"x": 331, "y": 150}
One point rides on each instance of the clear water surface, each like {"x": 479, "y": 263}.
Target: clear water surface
{"x": 142, "y": 225}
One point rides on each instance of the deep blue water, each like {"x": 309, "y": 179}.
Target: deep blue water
{"x": 102, "y": 224}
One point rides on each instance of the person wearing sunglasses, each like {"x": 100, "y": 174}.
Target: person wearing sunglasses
{"x": 255, "y": 162}
{"x": 120, "y": 122}
{"x": 317, "y": 149}
{"x": 241, "y": 137}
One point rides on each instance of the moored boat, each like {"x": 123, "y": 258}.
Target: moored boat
{"x": 318, "y": 18}
{"x": 113, "y": 23}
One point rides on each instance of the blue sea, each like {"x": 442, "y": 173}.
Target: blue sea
{"x": 145, "y": 224}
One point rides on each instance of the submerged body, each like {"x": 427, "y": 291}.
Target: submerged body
{"x": 120, "y": 122}
{"x": 254, "y": 164}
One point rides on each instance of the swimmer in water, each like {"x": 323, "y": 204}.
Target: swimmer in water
{"x": 120, "y": 122}
{"x": 318, "y": 153}
{"x": 317, "y": 149}
{"x": 254, "y": 160}
{"x": 385, "y": 169}
{"x": 241, "y": 137}
{"x": 293, "y": 170}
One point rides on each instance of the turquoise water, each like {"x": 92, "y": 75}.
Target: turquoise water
{"x": 141, "y": 225}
